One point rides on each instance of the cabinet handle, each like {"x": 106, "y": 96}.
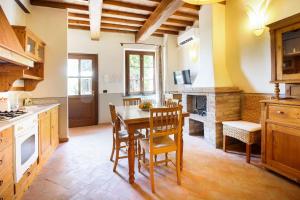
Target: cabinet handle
{"x": 1, "y": 182}
{"x": 1, "y": 162}
{"x": 280, "y": 112}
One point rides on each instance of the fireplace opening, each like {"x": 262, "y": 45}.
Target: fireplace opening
{"x": 196, "y": 128}
{"x": 200, "y": 105}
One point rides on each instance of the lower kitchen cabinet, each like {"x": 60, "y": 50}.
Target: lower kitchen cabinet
{"x": 48, "y": 142}
{"x": 54, "y": 127}
{"x": 44, "y": 136}
{"x": 6, "y": 165}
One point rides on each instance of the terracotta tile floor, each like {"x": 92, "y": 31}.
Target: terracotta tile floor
{"x": 81, "y": 170}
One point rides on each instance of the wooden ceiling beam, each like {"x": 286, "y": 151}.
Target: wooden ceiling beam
{"x": 191, "y": 6}
{"x": 60, "y": 5}
{"x": 126, "y": 14}
{"x": 187, "y": 15}
{"x": 103, "y": 24}
{"x": 129, "y": 5}
{"x": 167, "y": 32}
{"x": 78, "y": 15}
{"x": 95, "y": 10}
{"x": 79, "y": 27}
{"x": 87, "y": 28}
{"x": 119, "y": 20}
{"x": 78, "y": 22}
{"x": 170, "y": 27}
{"x": 181, "y": 22}
{"x": 163, "y": 11}
{"x": 119, "y": 26}
{"x": 186, "y": 5}
{"x": 116, "y": 31}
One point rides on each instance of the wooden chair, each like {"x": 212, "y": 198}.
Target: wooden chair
{"x": 131, "y": 101}
{"x": 171, "y": 103}
{"x": 119, "y": 137}
{"x": 164, "y": 122}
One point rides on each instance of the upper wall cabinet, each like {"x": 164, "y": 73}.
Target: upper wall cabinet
{"x": 32, "y": 45}
{"x": 285, "y": 48}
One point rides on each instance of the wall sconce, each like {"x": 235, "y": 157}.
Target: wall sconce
{"x": 257, "y": 13}
{"x": 194, "y": 51}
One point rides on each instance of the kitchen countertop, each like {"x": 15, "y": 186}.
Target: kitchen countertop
{"x": 31, "y": 110}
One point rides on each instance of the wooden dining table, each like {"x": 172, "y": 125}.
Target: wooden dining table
{"x": 134, "y": 119}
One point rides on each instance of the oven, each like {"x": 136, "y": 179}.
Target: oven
{"x": 26, "y": 145}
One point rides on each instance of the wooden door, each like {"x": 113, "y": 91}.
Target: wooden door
{"x": 83, "y": 90}
{"x": 283, "y": 150}
{"x": 54, "y": 127}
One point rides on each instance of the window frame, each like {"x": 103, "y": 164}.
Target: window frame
{"x": 142, "y": 77}
{"x": 94, "y": 76}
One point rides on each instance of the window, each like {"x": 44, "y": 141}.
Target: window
{"x": 140, "y": 72}
{"x": 80, "y": 77}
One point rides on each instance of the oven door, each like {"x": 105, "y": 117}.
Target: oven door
{"x": 26, "y": 151}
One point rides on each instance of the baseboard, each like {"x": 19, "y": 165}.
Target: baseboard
{"x": 63, "y": 140}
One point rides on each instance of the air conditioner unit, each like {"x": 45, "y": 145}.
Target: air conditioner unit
{"x": 188, "y": 36}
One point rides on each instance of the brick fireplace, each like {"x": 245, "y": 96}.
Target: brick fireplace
{"x": 222, "y": 104}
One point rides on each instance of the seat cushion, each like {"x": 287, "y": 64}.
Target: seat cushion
{"x": 160, "y": 144}
{"x": 243, "y": 125}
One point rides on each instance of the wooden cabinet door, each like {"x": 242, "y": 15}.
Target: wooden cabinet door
{"x": 283, "y": 150}
{"x": 54, "y": 127}
{"x": 44, "y": 133}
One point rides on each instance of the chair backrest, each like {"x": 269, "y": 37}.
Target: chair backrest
{"x": 113, "y": 113}
{"x": 165, "y": 122}
{"x": 170, "y": 103}
{"x": 131, "y": 101}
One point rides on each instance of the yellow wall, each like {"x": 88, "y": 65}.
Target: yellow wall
{"x": 248, "y": 57}
{"x": 222, "y": 78}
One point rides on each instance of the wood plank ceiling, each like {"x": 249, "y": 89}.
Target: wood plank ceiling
{"x": 130, "y": 16}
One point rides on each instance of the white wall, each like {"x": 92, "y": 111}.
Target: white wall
{"x": 51, "y": 26}
{"x": 13, "y": 12}
{"x": 111, "y": 62}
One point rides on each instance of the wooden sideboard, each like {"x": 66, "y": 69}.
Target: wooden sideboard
{"x": 281, "y": 137}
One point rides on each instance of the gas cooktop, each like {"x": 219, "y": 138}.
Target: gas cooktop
{"x": 6, "y": 116}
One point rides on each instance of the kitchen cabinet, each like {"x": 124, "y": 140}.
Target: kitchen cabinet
{"x": 44, "y": 136}
{"x": 32, "y": 45}
{"x": 54, "y": 127}
{"x": 281, "y": 137}
{"x": 6, "y": 165}
{"x": 48, "y": 134}
{"x": 23, "y": 185}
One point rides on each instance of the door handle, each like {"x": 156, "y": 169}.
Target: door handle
{"x": 93, "y": 92}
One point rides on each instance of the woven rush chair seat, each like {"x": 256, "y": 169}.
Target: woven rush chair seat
{"x": 247, "y": 132}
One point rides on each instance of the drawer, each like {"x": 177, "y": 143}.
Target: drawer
{"x": 23, "y": 185}
{"x": 6, "y": 137}
{"x": 285, "y": 114}
{"x": 6, "y": 179}
{"x": 8, "y": 193}
{"x": 6, "y": 159}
